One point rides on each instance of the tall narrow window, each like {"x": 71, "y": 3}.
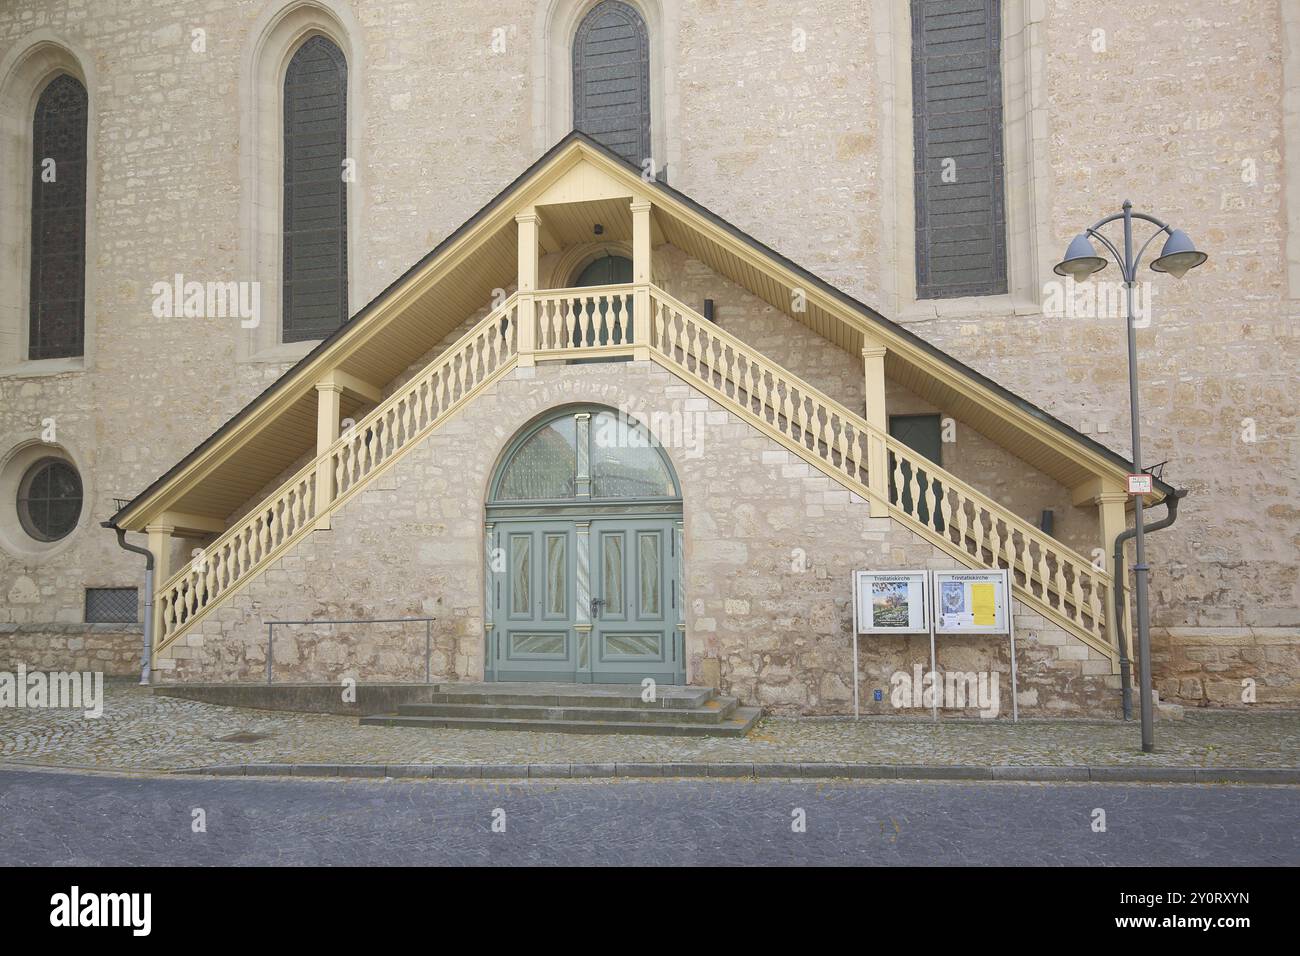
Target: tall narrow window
{"x": 961, "y": 244}
{"x": 611, "y": 80}
{"x": 58, "y": 280}
{"x": 315, "y": 192}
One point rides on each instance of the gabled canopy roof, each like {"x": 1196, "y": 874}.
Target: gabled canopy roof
{"x": 575, "y": 180}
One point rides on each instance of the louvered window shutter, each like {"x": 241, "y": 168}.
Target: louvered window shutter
{"x": 957, "y": 96}
{"x": 611, "y": 80}
{"x": 57, "y": 296}
{"x": 315, "y": 195}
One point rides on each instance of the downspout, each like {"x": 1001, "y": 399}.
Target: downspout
{"x": 1125, "y": 676}
{"x": 146, "y": 663}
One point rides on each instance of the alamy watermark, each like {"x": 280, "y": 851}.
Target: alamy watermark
{"x": 950, "y": 690}
{"x": 1067, "y": 299}
{"x": 181, "y": 299}
{"x": 673, "y": 428}
{"x": 57, "y": 690}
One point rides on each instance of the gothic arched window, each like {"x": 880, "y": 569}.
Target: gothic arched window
{"x": 57, "y": 295}
{"x": 611, "y": 80}
{"x": 315, "y": 192}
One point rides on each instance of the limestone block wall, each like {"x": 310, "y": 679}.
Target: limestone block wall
{"x": 769, "y": 546}
{"x": 1227, "y": 667}
{"x": 111, "y": 649}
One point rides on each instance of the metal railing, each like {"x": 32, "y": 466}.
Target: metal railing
{"x": 428, "y": 637}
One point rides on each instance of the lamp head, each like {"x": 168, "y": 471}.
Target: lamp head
{"x": 1179, "y": 255}
{"x": 1081, "y": 259}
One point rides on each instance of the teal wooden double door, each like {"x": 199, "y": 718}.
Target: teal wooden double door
{"x": 588, "y": 601}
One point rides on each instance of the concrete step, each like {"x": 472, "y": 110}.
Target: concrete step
{"x": 735, "y": 725}
{"x": 712, "y": 712}
{"x": 667, "y": 696}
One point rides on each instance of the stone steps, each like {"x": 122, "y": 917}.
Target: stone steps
{"x": 574, "y": 709}
{"x": 713, "y": 712}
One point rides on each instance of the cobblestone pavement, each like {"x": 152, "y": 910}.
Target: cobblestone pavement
{"x": 68, "y": 818}
{"x": 141, "y": 732}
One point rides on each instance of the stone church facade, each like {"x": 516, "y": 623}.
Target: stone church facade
{"x": 279, "y": 302}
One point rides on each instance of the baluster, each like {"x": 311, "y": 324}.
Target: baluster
{"x": 1041, "y": 570}
{"x": 1097, "y": 591}
{"x": 799, "y": 427}
{"x": 995, "y": 539}
{"x": 751, "y": 386}
{"x": 461, "y": 366}
{"x": 977, "y": 530}
{"x": 963, "y": 520}
{"x": 914, "y": 487}
{"x": 200, "y": 587}
{"x": 555, "y": 324}
{"x": 1009, "y": 547}
{"x": 898, "y": 482}
{"x": 602, "y": 327}
{"x": 1077, "y": 593}
{"x": 787, "y": 408}
{"x": 694, "y": 346}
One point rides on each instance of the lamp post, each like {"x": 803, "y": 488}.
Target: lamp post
{"x": 1081, "y": 261}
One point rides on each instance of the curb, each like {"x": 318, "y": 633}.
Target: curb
{"x": 799, "y": 771}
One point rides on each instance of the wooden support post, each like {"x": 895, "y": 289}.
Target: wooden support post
{"x": 328, "y": 396}
{"x": 160, "y": 544}
{"x": 641, "y": 318}
{"x": 873, "y": 367}
{"x": 525, "y": 317}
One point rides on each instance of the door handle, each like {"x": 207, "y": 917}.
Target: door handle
{"x": 595, "y": 607}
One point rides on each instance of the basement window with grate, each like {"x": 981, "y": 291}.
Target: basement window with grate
{"x": 111, "y": 605}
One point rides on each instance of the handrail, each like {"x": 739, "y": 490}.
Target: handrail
{"x": 443, "y": 385}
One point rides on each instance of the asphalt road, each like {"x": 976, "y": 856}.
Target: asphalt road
{"x": 85, "y": 820}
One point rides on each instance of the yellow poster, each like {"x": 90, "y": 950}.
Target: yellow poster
{"x": 983, "y": 598}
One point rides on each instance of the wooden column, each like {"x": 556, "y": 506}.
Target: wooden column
{"x": 328, "y": 395}
{"x": 160, "y": 543}
{"x": 527, "y": 285}
{"x": 873, "y": 368}
{"x": 641, "y": 317}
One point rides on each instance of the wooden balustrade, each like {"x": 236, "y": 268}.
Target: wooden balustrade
{"x": 1062, "y": 583}
{"x": 411, "y": 411}
{"x": 393, "y": 426}
{"x": 1042, "y": 567}
{"x": 592, "y": 319}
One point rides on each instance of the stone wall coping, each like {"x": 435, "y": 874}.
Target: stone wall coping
{"x": 483, "y": 771}
{"x": 62, "y": 628}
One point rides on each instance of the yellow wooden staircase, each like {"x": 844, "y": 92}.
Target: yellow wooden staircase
{"x": 643, "y": 322}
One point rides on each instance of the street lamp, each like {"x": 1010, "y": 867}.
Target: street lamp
{"x": 1178, "y": 256}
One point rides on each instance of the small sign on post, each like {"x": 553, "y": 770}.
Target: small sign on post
{"x": 1141, "y": 484}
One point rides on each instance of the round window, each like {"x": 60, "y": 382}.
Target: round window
{"x": 49, "y": 499}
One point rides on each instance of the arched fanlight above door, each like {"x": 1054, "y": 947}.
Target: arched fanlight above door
{"x": 595, "y": 455}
